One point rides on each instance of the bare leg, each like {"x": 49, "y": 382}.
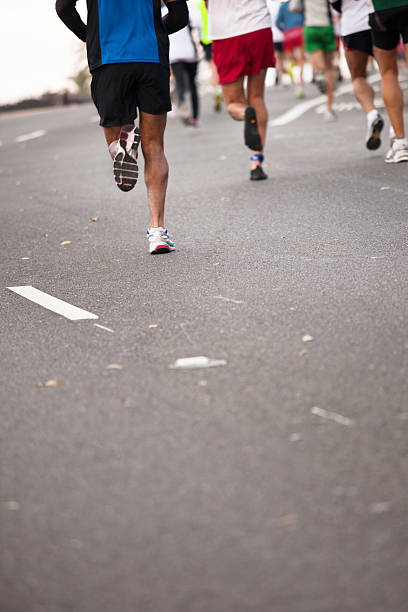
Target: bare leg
{"x": 357, "y": 63}
{"x": 391, "y": 90}
{"x": 256, "y": 98}
{"x": 235, "y": 99}
{"x": 156, "y": 168}
{"x": 330, "y": 79}
{"x": 112, "y": 137}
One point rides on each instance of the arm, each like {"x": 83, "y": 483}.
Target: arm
{"x": 177, "y": 19}
{"x": 69, "y": 15}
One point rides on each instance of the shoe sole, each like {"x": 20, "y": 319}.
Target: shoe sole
{"x": 161, "y": 249}
{"x": 125, "y": 168}
{"x": 374, "y": 140}
{"x": 397, "y": 161}
{"x": 251, "y": 135}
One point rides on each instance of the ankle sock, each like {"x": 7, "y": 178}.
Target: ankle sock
{"x": 401, "y": 142}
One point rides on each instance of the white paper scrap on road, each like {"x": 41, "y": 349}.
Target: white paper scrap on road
{"x": 196, "y": 362}
{"x": 30, "y": 136}
{"x": 332, "y": 416}
{"x": 52, "y": 303}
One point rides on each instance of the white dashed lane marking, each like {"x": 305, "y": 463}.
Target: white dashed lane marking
{"x": 30, "y": 136}
{"x": 73, "y": 313}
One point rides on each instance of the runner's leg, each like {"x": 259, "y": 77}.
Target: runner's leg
{"x": 357, "y": 63}
{"x": 235, "y": 99}
{"x": 191, "y": 70}
{"x": 330, "y": 79}
{"x": 156, "y": 168}
{"x": 256, "y": 98}
{"x": 391, "y": 90}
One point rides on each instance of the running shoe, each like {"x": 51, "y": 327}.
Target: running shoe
{"x": 251, "y": 135}
{"x": 374, "y": 129}
{"x": 125, "y": 168}
{"x": 300, "y": 94}
{"x": 397, "y": 153}
{"x": 320, "y": 81}
{"x": 159, "y": 241}
{"x": 257, "y": 174}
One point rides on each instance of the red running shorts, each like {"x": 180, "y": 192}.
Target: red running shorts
{"x": 243, "y": 55}
{"x": 293, "y": 38}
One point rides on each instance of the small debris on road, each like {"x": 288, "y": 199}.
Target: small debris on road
{"x": 114, "y": 366}
{"x": 93, "y": 219}
{"x": 217, "y": 263}
{"x": 153, "y": 326}
{"x": 48, "y": 383}
{"x": 322, "y": 291}
{"x": 332, "y": 416}
{"x": 295, "y": 437}
{"x": 65, "y": 242}
{"x": 307, "y": 338}
{"x": 288, "y": 520}
{"x": 385, "y": 187}
{"x": 196, "y": 362}
{"x": 380, "y": 507}
{"x": 225, "y": 299}
{"x": 12, "y": 505}
{"x": 302, "y": 353}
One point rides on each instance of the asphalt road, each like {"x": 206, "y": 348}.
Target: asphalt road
{"x": 273, "y": 483}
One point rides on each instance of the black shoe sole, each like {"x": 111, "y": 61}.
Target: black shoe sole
{"x": 251, "y": 135}
{"x": 125, "y": 168}
{"x": 374, "y": 141}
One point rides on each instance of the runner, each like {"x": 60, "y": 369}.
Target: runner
{"x": 389, "y": 21}
{"x": 206, "y": 44}
{"x": 184, "y": 64}
{"x": 291, "y": 24}
{"x": 277, "y": 41}
{"x": 243, "y": 47}
{"x": 128, "y": 56}
{"x": 358, "y": 47}
{"x": 320, "y": 43}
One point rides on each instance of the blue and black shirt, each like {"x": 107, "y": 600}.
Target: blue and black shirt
{"x": 119, "y": 31}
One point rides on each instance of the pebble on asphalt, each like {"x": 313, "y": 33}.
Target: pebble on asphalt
{"x": 48, "y": 383}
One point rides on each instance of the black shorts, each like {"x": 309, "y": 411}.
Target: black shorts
{"x": 359, "y": 41}
{"x": 278, "y": 46}
{"x": 207, "y": 50}
{"x": 119, "y": 89}
{"x": 388, "y": 26}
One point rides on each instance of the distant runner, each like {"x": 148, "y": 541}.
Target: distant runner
{"x": 358, "y": 47}
{"x": 389, "y": 22}
{"x": 243, "y": 47}
{"x": 128, "y": 56}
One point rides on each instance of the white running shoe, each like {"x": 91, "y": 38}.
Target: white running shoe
{"x": 397, "y": 153}
{"x": 159, "y": 241}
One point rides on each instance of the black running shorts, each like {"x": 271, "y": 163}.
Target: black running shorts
{"x": 118, "y": 90}
{"x": 359, "y": 41}
{"x": 388, "y": 26}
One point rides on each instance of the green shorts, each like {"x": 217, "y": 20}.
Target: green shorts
{"x": 319, "y": 39}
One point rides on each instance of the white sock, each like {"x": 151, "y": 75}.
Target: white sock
{"x": 402, "y": 142}
{"x": 373, "y": 114}
{"x": 392, "y": 133}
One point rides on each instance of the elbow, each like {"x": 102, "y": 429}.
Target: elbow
{"x": 61, "y": 7}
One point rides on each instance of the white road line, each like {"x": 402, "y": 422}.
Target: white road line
{"x": 300, "y": 109}
{"x": 51, "y": 303}
{"x": 225, "y": 299}
{"x": 105, "y": 328}
{"x": 30, "y": 136}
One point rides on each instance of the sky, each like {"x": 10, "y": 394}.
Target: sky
{"x": 38, "y": 53}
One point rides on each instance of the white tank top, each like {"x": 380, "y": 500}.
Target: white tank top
{"x": 228, "y": 18}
